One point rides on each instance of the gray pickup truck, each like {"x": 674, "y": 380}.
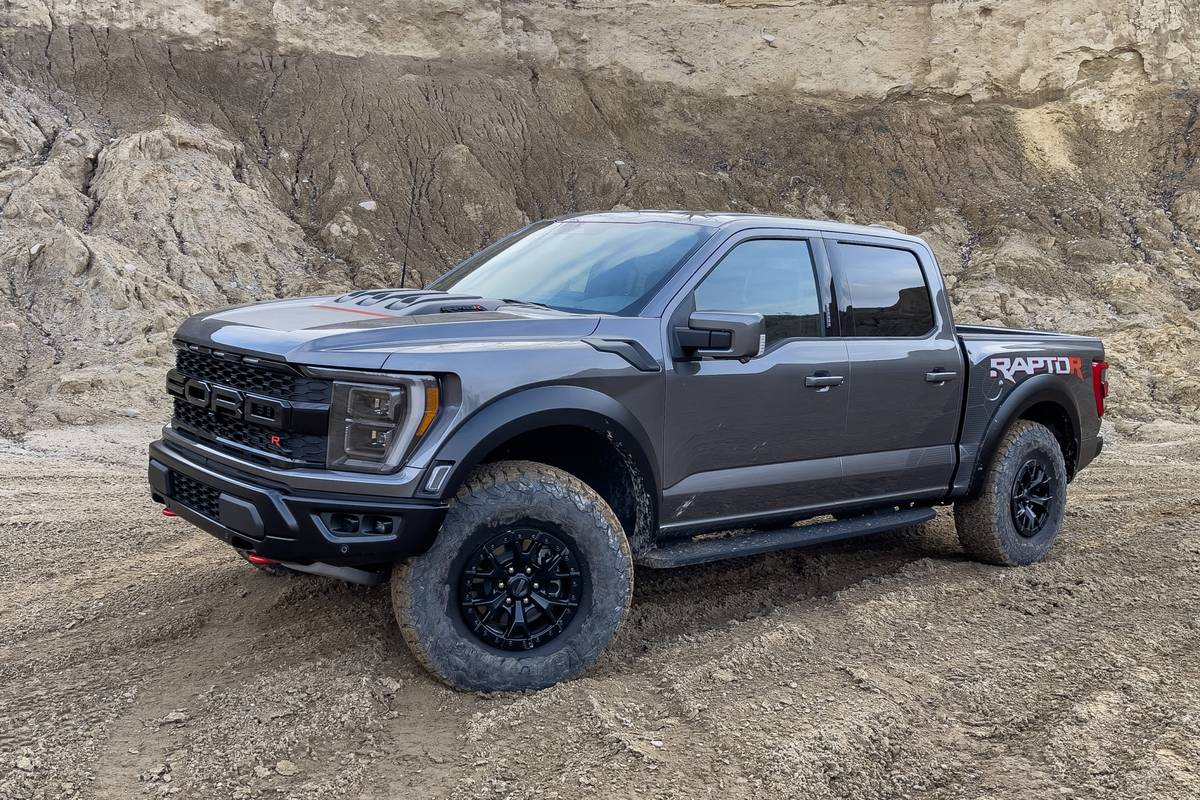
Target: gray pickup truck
{"x": 610, "y": 389}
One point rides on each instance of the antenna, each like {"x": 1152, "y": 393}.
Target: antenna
{"x": 412, "y": 202}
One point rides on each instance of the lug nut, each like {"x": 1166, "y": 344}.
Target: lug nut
{"x": 508, "y": 601}
{"x": 501, "y": 584}
{"x": 529, "y": 570}
{"x": 536, "y": 586}
{"x": 511, "y": 570}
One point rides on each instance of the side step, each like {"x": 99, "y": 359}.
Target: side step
{"x": 701, "y": 551}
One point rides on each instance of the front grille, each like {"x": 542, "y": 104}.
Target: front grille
{"x": 195, "y": 495}
{"x": 303, "y": 447}
{"x": 273, "y": 381}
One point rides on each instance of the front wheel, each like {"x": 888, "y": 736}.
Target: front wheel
{"x": 525, "y": 585}
{"x": 1015, "y": 518}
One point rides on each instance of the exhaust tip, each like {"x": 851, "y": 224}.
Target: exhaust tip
{"x": 166, "y": 512}
{"x": 260, "y": 561}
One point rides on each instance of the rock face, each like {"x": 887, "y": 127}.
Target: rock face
{"x": 157, "y": 159}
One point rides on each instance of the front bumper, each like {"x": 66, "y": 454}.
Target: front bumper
{"x": 280, "y": 523}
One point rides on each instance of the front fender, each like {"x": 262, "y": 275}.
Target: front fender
{"x": 542, "y": 407}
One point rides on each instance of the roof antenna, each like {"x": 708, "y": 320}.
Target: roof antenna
{"x": 412, "y": 202}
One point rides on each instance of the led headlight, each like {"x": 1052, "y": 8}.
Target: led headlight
{"x": 373, "y": 426}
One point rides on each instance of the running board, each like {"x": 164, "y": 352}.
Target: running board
{"x": 702, "y": 551}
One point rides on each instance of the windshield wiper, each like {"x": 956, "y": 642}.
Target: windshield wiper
{"x": 513, "y": 302}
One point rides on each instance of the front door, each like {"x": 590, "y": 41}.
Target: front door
{"x": 763, "y": 436}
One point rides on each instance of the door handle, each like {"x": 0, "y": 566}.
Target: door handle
{"x": 823, "y": 381}
{"x": 940, "y": 377}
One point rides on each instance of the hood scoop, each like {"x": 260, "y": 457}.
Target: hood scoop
{"x": 411, "y": 302}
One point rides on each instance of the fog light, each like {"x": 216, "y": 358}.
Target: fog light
{"x": 344, "y": 523}
{"x": 377, "y": 526}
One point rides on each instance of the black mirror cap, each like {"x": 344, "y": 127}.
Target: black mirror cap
{"x": 723, "y": 334}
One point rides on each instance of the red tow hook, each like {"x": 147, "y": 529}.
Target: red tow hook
{"x": 166, "y": 512}
{"x": 259, "y": 561}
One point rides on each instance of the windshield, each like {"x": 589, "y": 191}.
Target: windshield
{"x": 604, "y": 267}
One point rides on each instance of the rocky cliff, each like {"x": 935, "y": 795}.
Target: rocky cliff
{"x": 160, "y": 158}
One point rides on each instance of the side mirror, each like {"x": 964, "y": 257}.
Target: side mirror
{"x": 721, "y": 334}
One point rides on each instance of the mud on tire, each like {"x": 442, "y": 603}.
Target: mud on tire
{"x": 512, "y": 519}
{"x": 1003, "y": 525}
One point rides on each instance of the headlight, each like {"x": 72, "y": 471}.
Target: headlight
{"x": 373, "y": 426}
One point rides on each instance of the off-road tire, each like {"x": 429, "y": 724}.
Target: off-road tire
{"x": 985, "y": 523}
{"x": 425, "y": 594}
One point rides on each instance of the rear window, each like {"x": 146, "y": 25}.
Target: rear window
{"x": 888, "y": 294}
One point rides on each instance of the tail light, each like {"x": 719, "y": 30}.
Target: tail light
{"x": 1100, "y": 384}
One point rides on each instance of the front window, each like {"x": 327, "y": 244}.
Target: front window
{"x": 772, "y": 277}
{"x": 573, "y": 265}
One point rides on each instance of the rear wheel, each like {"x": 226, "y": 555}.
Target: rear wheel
{"x": 1015, "y": 518}
{"x": 526, "y": 584}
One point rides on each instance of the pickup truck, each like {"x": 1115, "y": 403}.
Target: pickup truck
{"x": 609, "y": 389}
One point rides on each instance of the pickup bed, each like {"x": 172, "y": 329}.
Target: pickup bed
{"x": 600, "y": 390}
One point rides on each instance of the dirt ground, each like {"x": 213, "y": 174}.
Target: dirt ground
{"x": 139, "y": 658}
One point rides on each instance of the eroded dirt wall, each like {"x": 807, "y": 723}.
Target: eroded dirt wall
{"x": 146, "y": 175}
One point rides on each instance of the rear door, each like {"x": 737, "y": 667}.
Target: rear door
{"x": 906, "y": 369}
{"x": 753, "y": 438}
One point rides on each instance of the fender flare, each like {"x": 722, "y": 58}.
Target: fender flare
{"x": 543, "y": 407}
{"x": 1038, "y": 389}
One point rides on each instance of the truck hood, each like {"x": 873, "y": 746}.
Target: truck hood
{"x": 362, "y": 329}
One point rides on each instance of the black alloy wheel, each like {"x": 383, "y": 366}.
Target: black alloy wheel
{"x": 1032, "y": 496}
{"x": 526, "y": 583}
{"x": 520, "y": 588}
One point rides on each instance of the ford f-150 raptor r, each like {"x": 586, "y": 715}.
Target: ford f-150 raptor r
{"x": 610, "y": 389}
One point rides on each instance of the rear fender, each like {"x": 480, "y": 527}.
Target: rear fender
{"x": 1030, "y": 392}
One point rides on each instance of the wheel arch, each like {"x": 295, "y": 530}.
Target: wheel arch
{"x": 1041, "y": 399}
{"x": 562, "y": 426}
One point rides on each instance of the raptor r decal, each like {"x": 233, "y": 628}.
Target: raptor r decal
{"x": 1016, "y": 369}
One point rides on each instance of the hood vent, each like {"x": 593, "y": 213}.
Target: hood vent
{"x": 410, "y": 302}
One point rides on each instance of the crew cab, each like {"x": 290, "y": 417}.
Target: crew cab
{"x": 609, "y": 389}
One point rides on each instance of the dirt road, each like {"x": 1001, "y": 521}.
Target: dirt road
{"x": 139, "y": 658}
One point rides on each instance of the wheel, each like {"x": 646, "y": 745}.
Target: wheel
{"x": 525, "y": 585}
{"x": 1015, "y": 518}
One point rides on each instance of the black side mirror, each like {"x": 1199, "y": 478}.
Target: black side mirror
{"x": 721, "y": 334}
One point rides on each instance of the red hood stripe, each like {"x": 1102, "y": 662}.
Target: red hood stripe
{"x": 355, "y": 311}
